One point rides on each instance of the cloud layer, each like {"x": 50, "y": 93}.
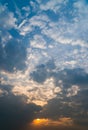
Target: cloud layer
{"x": 43, "y": 64}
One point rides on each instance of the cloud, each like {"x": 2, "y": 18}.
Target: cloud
{"x": 38, "y": 93}
{"x": 38, "y": 42}
{"x": 44, "y": 61}
{"x": 46, "y": 82}
{"x": 52, "y": 5}
{"x": 24, "y": 28}
{"x": 73, "y": 95}
{"x": 73, "y": 91}
{"x": 54, "y": 123}
{"x": 15, "y": 113}
{"x": 31, "y": 24}
{"x": 67, "y": 107}
{"x": 59, "y": 35}
{"x": 12, "y": 56}
{"x": 63, "y": 123}
{"x": 2, "y": 92}
{"x": 8, "y": 19}
{"x": 69, "y": 77}
{"x": 8, "y": 22}
{"x": 11, "y": 48}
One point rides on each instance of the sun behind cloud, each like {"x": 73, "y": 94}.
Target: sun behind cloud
{"x": 41, "y": 122}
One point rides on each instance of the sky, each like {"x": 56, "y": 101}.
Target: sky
{"x": 44, "y": 64}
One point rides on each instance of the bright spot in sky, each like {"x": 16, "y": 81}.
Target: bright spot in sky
{"x": 39, "y": 122}
{"x": 38, "y": 119}
{"x": 48, "y": 122}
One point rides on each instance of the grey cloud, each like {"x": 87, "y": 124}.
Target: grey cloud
{"x": 41, "y": 74}
{"x": 71, "y": 81}
{"x": 12, "y": 50}
{"x": 76, "y": 76}
{"x": 43, "y": 71}
{"x": 69, "y": 77}
{"x": 6, "y": 88}
{"x": 13, "y": 55}
{"x": 76, "y": 105}
{"x": 62, "y": 128}
{"x": 15, "y": 113}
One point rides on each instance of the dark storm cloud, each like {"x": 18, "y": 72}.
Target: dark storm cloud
{"x": 12, "y": 56}
{"x": 15, "y": 113}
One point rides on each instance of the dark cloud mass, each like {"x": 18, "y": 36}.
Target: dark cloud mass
{"x": 43, "y": 71}
{"x": 69, "y": 77}
{"x": 12, "y": 56}
{"x": 43, "y": 65}
{"x": 15, "y": 113}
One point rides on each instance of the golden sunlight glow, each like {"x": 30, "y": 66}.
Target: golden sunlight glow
{"x": 35, "y": 92}
{"x": 39, "y": 122}
{"x": 38, "y": 119}
{"x": 48, "y": 122}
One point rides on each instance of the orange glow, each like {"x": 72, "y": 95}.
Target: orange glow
{"x": 39, "y": 122}
{"x": 48, "y": 122}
